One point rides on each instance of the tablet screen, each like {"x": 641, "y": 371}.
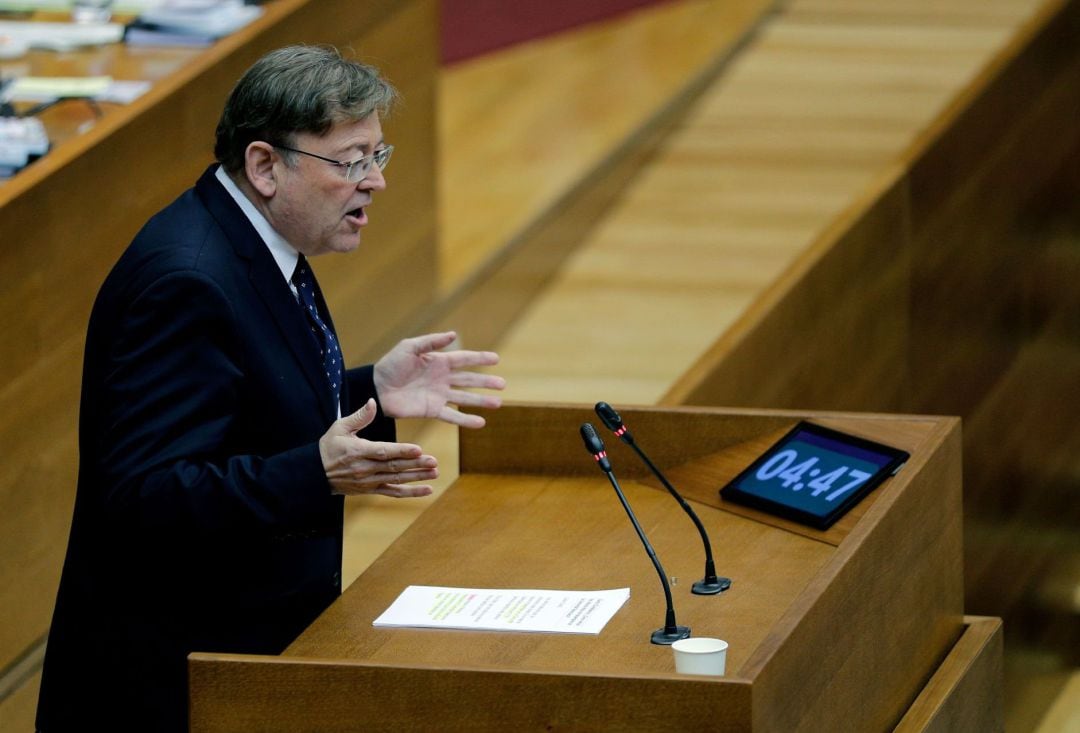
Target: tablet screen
{"x": 814, "y": 475}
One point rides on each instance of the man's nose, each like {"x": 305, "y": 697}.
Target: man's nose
{"x": 374, "y": 180}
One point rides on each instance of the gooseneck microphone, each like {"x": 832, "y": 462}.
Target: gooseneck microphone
{"x": 671, "y": 632}
{"x": 710, "y": 584}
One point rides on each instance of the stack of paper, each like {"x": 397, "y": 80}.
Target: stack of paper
{"x": 123, "y": 7}
{"x": 61, "y": 36}
{"x": 44, "y": 89}
{"x": 22, "y": 140}
{"x": 486, "y": 609}
{"x": 190, "y": 22}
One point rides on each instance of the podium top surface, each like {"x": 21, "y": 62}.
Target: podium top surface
{"x": 531, "y": 510}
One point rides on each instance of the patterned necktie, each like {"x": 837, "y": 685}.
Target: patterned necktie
{"x": 304, "y": 281}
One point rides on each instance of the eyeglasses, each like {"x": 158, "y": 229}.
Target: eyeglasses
{"x": 355, "y": 170}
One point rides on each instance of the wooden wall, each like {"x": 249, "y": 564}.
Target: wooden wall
{"x": 947, "y": 292}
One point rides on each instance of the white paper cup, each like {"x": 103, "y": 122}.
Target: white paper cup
{"x": 700, "y": 655}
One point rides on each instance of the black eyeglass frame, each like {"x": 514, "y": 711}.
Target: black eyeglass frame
{"x": 380, "y": 157}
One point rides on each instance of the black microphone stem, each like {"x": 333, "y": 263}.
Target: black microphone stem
{"x": 710, "y": 567}
{"x": 710, "y": 584}
{"x": 671, "y": 631}
{"x": 669, "y": 624}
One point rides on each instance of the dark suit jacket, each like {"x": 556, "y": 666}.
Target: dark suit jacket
{"x": 203, "y": 520}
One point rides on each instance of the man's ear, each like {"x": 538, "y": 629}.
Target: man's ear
{"x": 259, "y": 160}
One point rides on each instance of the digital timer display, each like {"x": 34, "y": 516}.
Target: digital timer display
{"x": 814, "y": 475}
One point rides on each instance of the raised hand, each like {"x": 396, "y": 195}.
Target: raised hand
{"x": 417, "y": 379}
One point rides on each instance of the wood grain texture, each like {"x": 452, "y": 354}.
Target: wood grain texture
{"x": 539, "y": 143}
{"x": 904, "y": 553}
{"x": 808, "y": 129}
{"x": 965, "y": 692}
{"x": 831, "y": 330}
{"x": 524, "y": 129}
{"x": 961, "y": 314}
{"x": 791, "y": 591}
{"x": 260, "y": 693}
{"x": 18, "y": 709}
{"x": 65, "y": 219}
{"x": 809, "y": 124}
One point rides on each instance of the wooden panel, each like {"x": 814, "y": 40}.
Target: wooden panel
{"x": 507, "y": 531}
{"x": 505, "y": 232}
{"x": 887, "y": 595}
{"x": 973, "y": 318}
{"x": 989, "y": 340}
{"x": 965, "y": 692}
{"x": 969, "y": 192}
{"x": 65, "y": 219}
{"x": 831, "y": 331}
{"x": 903, "y": 555}
{"x": 698, "y": 456}
{"x": 288, "y": 694}
{"x": 551, "y": 443}
{"x": 508, "y": 167}
{"x": 807, "y": 124}
{"x": 18, "y": 707}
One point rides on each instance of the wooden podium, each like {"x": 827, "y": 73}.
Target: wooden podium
{"x": 859, "y": 627}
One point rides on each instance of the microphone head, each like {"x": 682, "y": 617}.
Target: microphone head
{"x": 592, "y": 441}
{"x": 607, "y": 414}
{"x": 595, "y": 446}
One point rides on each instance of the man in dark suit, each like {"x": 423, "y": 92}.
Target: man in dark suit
{"x": 218, "y": 430}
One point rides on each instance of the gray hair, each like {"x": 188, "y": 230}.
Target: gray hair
{"x": 297, "y": 89}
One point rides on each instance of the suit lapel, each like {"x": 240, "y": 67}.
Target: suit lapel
{"x": 266, "y": 279}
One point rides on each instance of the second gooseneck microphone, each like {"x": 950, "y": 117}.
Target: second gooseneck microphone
{"x": 710, "y": 584}
{"x": 671, "y": 631}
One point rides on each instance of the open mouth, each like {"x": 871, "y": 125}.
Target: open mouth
{"x": 357, "y": 214}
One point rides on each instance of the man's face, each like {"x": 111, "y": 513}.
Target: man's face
{"x": 314, "y": 207}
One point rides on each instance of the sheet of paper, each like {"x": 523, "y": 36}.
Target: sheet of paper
{"x": 127, "y": 7}
{"x": 487, "y": 609}
{"x": 61, "y": 36}
{"x": 48, "y": 88}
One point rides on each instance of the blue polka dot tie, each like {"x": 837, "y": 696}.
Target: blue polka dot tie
{"x": 304, "y": 281}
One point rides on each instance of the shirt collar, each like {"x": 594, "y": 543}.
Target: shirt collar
{"x": 285, "y": 255}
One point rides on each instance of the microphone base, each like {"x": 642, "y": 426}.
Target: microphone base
{"x": 666, "y": 637}
{"x": 710, "y": 587}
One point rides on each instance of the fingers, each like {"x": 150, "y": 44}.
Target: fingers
{"x": 467, "y": 399}
{"x": 471, "y": 399}
{"x": 402, "y": 492}
{"x": 458, "y": 359}
{"x": 431, "y": 341}
{"x": 467, "y": 359}
{"x": 369, "y": 476}
{"x": 398, "y": 491}
{"x": 477, "y": 380}
{"x": 392, "y": 464}
{"x": 384, "y": 452}
{"x": 358, "y": 420}
{"x": 359, "y": 480}
{"x": 462, "y": 419}
{"x": 473, "y": 380}
{"x": 380, "y": 470}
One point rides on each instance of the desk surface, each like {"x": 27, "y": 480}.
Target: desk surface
{"x": 510, "y": 524}
{"x": 66, "y": 121}
{"x": 531, "y": 511}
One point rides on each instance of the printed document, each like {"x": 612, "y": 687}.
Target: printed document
{"x": 486, "y": 609}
